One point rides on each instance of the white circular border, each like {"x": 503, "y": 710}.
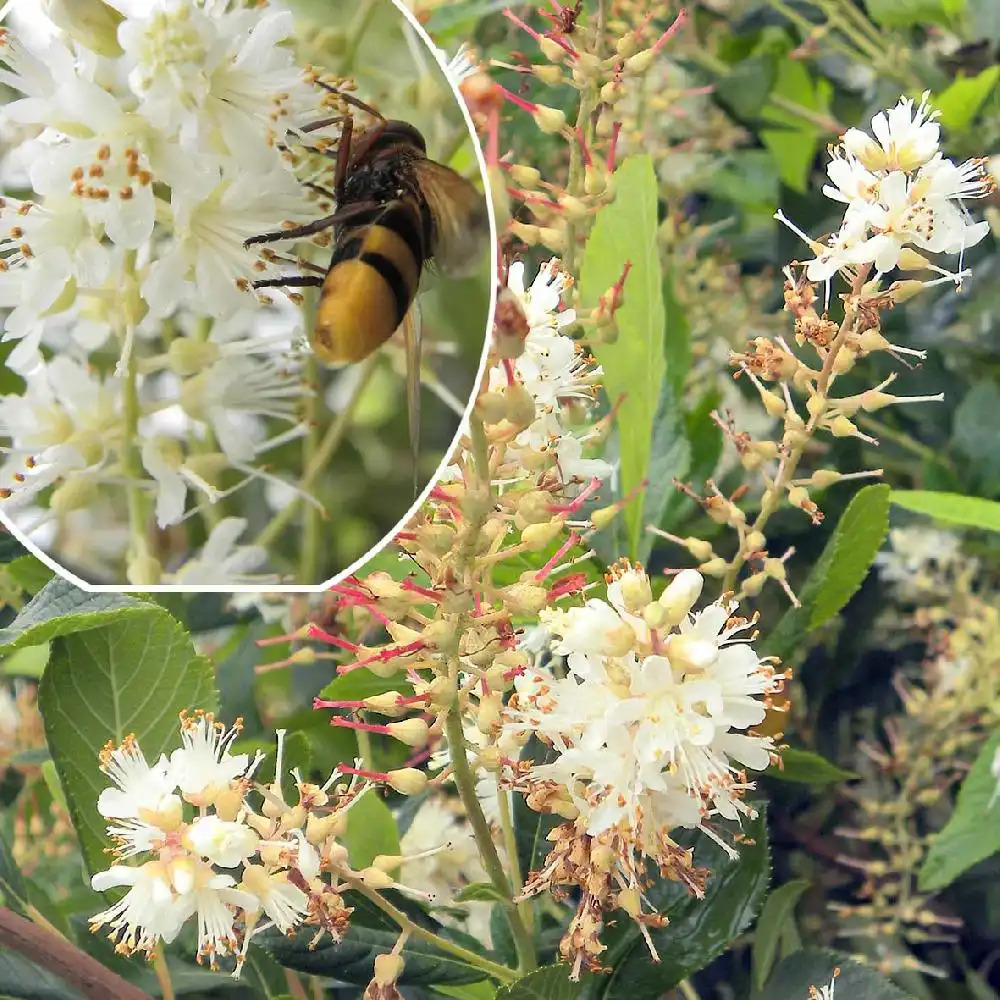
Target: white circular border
{"x": 293, "y": 588}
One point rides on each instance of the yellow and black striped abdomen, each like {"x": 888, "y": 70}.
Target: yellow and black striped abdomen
{"x": 372, "y": 282}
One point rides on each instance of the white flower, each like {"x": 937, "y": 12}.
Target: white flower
{"x": 154, "y": 145}
{"x": 440, "y": 857}
{"x": 900, "y": 194}
{"x": 65, "y": 421}
{"x": 221, "y": 560}
{"x": 647, "y": 725}
{"x": 203, "y": 765}
{"x": 905, "y": 137}
{"x": 554, "y": 372}
{"x": 148, "y": 912}
{"x": 285, "y": 904}
{"x": 142, "y": 790}
{"x": 222, "y": 843}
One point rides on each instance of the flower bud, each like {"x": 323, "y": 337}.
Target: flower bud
{"x": 548, "y": 73}
{"x": 603, "y": 516}
{"x": 595, "y": 179}
{"x": 753, "y": 585}
{"x": 628, "y": 45}
{"x": 412, "y": 732}
{"x": 680, "y": 595}
{"x": 520, "y": 405}
{"x": 376, "y": 878}
{"x": 554, "y": 239}
{"x": 407, "y": 780}
{"x": 714, "y": 567}
{"x": 488, "y": 715}
{"x": 699, "y": 548}
{"x": 903, "y": 291}
{"x": 525, "y": 232}
{"x": 525, "y": 176}
{"x": 551, "y": 49}
{"x": 755, "y": 541}
{"x": 639, "y": 63}
{"x": 491, "y": 407}
{"x": 549, "y": 120}
{"x": 611, "y": 92}
{"x": 540, "y": 536}
{"x": 525, "y": 599}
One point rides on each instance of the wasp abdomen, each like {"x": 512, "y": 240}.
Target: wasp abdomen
{"x": 371, "y": 284}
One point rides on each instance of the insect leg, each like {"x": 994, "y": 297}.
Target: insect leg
{"x": 290, "y": 234}
{"x": 289, "y": 281}
{"x": 353, "y": 101}
{"x": 322, "y": 123}
{"x": 319, "y": 189}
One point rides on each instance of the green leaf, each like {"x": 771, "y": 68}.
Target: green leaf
{"x": 974, "y": 512}
{"x": 974, "y": 434}
{"x": 670, "y": 459}
{"x": 12, "y": 888}
{"x": 699, "y": 929}
{"x": 779, "y": 910}
{"x": 371, "y": 830}
{"x": 911, "y": 13}
{"x": 626, "y": 232}
{"x": 483, "y": 990}
{"x": 370, "y": 933}
{"x": 476, "y": 892}
{"x": 29, "y": 661}
{"x": 60, "y": 608}
{"x": 807, "y": 768}
{"x": 973, "y": 831}
{"x": 361, "y": 683}
{"x": 10, "y": 548}
{"x": 29, "y": 573}
{"x": 815, "y": 967}
{"x": 132, "y": 673}
{"x": 748, "y": 84}
{"x": 960, "y": 103}
{"x": 794, "y": 141}
{"x": 841, "y": 569}
{"x": 21, "y": 978}
{"x": 551, "y": 982}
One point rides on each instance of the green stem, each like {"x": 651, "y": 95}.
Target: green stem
{"x": 510, "y": 848}
{"x": 131, "y": 459}
{"x": 465, "y": 782}
{"x": 321, "y": 457}
{"x": 500, "y": 972}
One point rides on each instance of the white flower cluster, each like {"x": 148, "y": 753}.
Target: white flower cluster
{"x": 206, "y": 852}
{"x": 902, "y": 196}
{"x": 147, "y": 150}
{"x": 647, "y": 725}
{"x": 556, "y": 374}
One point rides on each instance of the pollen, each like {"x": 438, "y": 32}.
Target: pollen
{"x": 104, "y": 152}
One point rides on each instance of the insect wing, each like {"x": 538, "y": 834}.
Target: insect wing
{"x": 461, "y": 222}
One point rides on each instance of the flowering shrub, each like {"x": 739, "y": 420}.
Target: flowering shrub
{"x": 607, "y": 708}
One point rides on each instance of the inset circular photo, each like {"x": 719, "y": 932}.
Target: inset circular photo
{"x": 246, "y": 279}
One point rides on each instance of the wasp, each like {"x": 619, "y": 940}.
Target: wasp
{"x": 395, "y": 210}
